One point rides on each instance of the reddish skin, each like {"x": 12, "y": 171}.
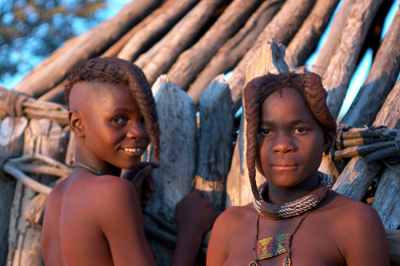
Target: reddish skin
{"x": 97, "y": 220}
{"x": 338, "y": 232}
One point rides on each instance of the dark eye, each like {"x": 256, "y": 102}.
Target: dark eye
{"x": 119, "y": 120}
{"x": 265, "y": 131}
{"x": 300, "y": 130}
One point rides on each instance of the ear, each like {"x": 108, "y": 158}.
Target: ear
{"x": 329, "y": 137}
{"x": 75, "y": 123}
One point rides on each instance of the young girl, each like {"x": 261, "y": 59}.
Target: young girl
{"x": 93, "y": 217}
{"x": 295, "y": 219}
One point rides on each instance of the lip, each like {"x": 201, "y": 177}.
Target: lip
{"x": 284, "y": 165}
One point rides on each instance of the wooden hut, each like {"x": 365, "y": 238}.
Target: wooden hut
{"x": 193, "y": 42}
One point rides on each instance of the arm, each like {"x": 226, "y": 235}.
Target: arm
{"x": 194, "y": 218}
{"x": 365, "y": 239}
{"x": 120, "y": 220}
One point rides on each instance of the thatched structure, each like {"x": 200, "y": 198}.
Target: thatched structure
{"x": 193, "y": 42}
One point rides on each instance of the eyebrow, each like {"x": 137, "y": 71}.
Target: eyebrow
{"x": 294, "y": 122}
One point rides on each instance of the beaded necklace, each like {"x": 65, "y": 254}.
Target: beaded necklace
{"x": 274, "y": 246}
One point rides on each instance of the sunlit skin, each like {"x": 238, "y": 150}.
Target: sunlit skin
{"x": 338, "y": 232}
{"x": 97, "y": 220}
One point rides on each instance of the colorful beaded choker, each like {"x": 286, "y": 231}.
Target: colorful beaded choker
{"x": 297, "y": 207}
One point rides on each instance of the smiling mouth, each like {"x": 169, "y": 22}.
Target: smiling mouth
{"x": 133, "y": 150}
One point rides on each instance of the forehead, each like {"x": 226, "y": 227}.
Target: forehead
{"x": 83, "y": 93}
{"x": 286, "y": 102}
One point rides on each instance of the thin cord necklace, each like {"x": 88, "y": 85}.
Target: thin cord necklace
{"x": 273, "y": 246}
{"x": 87, "y": 167}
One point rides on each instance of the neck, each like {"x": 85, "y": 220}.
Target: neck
{"x": 280, "y": 195}
{"x": 102, "y": 166}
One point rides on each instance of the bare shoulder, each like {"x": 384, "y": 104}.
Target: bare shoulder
{"x": 361, "y": 236}
{"x": 234, "y": 217}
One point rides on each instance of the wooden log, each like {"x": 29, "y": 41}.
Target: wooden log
{"x": 393, "y": 237}
{"x": 215, "y": 142}
{"x": 179, "y": 39}
{"x": 45, "y": 137}
{"x": 235, "y": 48}
{"x": 55, "y": 94}
{"x": 238, "y": 188}
{"x": 380, "y": 80}
{"x": 56, "y": 67}
{"x": 178, "y": 142}
{"x": 282, "y": 28}
{"x": 332, "y": 41}
{"x": 357, "y": 176}
{"x": 387, "y": 197}
{"x": 117, "y": 46}
{"x": 177, "y": 121}
{"x": 307, "y": 37}
{"x": 11, "y": 145}
{"x": 192, "y": 61}
{"x": 343, "y": 62}
{"x": 152, "y": 32}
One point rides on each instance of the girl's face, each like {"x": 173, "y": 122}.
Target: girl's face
{"x": 114, "y": 129}
{"x": 290, "y": 141}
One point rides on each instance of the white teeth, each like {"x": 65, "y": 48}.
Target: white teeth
{"x": 133, "y": 149}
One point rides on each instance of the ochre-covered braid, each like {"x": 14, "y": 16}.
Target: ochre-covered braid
{"x": 260, "y": 88}
{"x": 118, "y": 71}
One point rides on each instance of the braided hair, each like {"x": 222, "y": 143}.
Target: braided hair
{"x": 260, "y": 88}
{"x": 120, "y": 72}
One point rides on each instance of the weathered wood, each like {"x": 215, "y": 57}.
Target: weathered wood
{"x": 307, "y": 37}
{"x": 177, "y": 121}
{"x": 178, "y": 142}
{"x": 11, "y": 145}
{"x": 393, "y": 237}
{"x": 387, "y": 197}
{"x": 343, "y": 62}
{"x": 215, "y": 142}
{"x": 358, "y": 175}
{"x": 45, "y": 137}
{"x": 282, "y": 28}
{"x": 114, "y": 49}
{"x": 155, "y": 29}
{"x": 56, "y": 67}
{"x": 380, "y": 80}
{"x": 179, "y": 39}
{"x": 55, "y": 94}
{"x": 332, "y": 41}
{"x": 238, "y": 188}
{"x": 235, "y": 48}
{"x": 192, "y": 61}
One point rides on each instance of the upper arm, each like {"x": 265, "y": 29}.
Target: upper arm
{"x": 365, "y": 241}
{"x": 120, "y": 220}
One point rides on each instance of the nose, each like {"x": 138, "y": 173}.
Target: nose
{"x": 137, "y": 131}
{"x": 283, "y": 143}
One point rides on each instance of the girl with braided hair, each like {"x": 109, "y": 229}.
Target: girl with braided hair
{"x": 93, "y": 217}
{"x": 295, "y": 218}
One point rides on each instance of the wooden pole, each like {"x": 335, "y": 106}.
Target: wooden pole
{"x": 380, "y": 80}
{"x": 357, "y": 176}
{"x": 154, "y": 30}
{"x": 307, "y": 37}
{"x": 343, "y": 62}
{"x": 192, "y": 61}
{"x": 215, "y": 143}
{"x": 56, "y": 67}
{"x": 332, "y": 41}
{"x": 163, "y": 55}
{"x": 282, "y": 28}
{"x": 234, "y": 49}
{"x": 11, "y": 145}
